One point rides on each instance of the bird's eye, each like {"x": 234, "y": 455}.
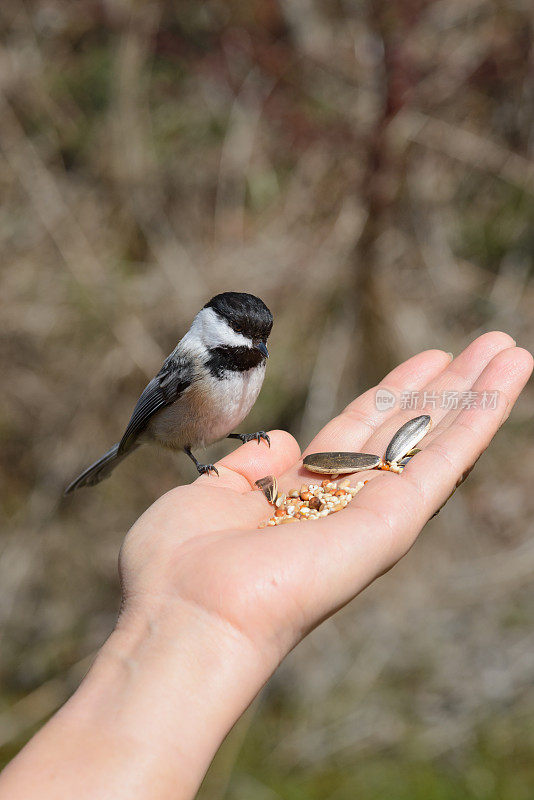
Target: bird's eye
{"x": 238, "y": 330}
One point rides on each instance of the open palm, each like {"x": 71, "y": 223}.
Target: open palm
{"x": 199, "y": 545}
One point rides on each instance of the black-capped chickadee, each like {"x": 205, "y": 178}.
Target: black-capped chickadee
{"x": 205, "y": 387}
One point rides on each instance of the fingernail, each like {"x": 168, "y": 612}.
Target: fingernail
{"x": 451, "y": 356}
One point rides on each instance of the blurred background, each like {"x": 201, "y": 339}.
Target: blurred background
{"x": 366, "y": 167}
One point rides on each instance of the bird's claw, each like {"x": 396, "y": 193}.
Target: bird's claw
{"x": 258, "y": 436}
{"x": 205, "y": 469}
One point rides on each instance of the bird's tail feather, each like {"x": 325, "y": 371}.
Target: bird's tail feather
{"x": 100, "y": 469}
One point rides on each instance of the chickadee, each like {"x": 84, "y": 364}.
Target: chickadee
{"x": 204, "y": 389}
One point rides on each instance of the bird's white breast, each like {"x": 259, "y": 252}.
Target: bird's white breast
{"x": 209, "y": 409}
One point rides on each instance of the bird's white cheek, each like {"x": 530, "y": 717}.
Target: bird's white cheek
{"x": 213, "y": 331}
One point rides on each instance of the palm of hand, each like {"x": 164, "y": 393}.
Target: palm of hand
{"x": 199, "y": 545}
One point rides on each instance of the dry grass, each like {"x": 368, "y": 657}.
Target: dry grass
{"x": 368, "y": 165}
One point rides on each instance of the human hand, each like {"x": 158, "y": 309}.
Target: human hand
{"x": 199, "y": 546}
{"x": 211, "y": 604}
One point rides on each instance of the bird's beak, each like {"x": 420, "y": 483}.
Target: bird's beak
{"x": 261, "y": 346}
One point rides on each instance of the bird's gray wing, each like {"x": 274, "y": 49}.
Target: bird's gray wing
{"x": 173, "y": 378}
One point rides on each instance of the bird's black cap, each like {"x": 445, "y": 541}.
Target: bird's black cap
{"x": 245, "y": 313}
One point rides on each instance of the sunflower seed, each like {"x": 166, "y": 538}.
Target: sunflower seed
{"x": 269, "y": 487}
{"x": 340, "y": 463}
{"x": 407, "y": 437}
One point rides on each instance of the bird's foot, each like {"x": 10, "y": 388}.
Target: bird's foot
{"x": 250, "y": 437}
{"x": 205, "y": 469}
{"x": 202, "y": 469}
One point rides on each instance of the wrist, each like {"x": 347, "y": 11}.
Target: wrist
{"x": 162, "y": 694}
{"x": 176, "y": 680}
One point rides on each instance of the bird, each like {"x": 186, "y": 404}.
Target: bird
{"x": 205, "y": 388}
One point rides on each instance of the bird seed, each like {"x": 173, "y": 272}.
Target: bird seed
{"x": 311, "y": 501}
